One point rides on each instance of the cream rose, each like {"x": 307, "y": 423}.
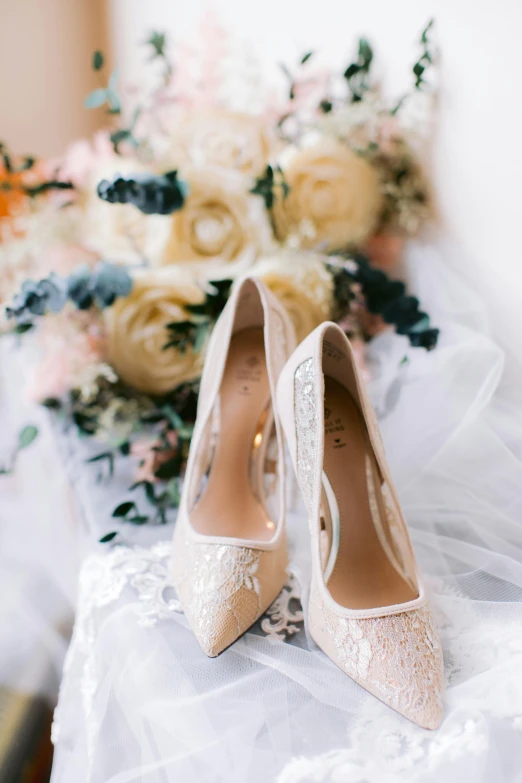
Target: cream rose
{"x": 137, "y": 333}
{"x": 302, "y": 284}
{"x": 334, "y": 200}
{"x": 118, "y": 232}
{"x": 221, "y": 229}
{"x": 225, "y": 139}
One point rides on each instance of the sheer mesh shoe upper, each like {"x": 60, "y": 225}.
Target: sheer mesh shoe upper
{"x": 224, "y": 585}
{"x": 395, "y": 655}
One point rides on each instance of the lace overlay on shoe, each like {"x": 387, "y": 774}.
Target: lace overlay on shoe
{"x": 397, "y": 657}
{"x": 306, "y": 429}
{"x": 224, "y": 589}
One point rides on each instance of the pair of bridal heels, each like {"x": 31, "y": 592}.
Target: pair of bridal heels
{"x": 368, "y": 610}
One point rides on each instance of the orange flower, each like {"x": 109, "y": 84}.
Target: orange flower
{"x": 11, "y": 196}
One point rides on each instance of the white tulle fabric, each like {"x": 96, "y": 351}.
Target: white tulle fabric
{"x": 141, "y": 702}
{"x": 40, "y": 545}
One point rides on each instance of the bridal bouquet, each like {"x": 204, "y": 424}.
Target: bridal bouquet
{"x": 119, "y": 257}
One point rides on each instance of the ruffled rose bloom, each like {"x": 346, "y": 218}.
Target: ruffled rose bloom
{"x": 221, "y": 229}
{"x": 334, "y": 201}
{"x": 118, "y": 232}
{"x": 137, "y": 331}
{"x": 302, "y": 284}
{"x": 220, "y": 138}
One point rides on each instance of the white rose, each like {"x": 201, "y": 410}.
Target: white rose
{"x": 225, "y": 139}
{"x": 137, "y": 331}
{"x": 334, "y": 201}
{"x": 221, "y": 229}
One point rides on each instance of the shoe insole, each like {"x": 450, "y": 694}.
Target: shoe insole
{"x": 363, "y": 576}
{"x": 229, "y": 506}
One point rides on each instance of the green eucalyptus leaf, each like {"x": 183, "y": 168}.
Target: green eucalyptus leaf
{"x": 138, "y": 519}
{"x": 113, "y": 81}
{"x": 108, "y": 537}
{"x": 351, "y": 71}
{"x": 23, "y": 328}
{"x": 118, "y": 137}
{"x": 173, "y": 492}
{"x": 158, "y": 42}
{"x": 52, "y": 403}
{"x": 97, "y": 60}
{"x": 123, "y": 509}
{"x": 174, "y": 418}
{"x": 114, "y": 103}
{"x": 96, "y": 99}
{"x": 27, "y": 436}
{"x": 186, "y": 431}
{"x": 424, "y": 36}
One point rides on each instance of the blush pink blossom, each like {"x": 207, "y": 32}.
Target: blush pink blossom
{"x": 71, "y": 344}
{"x": 65, "y": 259}
{"x": 49, "y": 379}
{"x": 389, "y": 132}
{"x": 152, "y": 453}
{"x": 83, "y": 156}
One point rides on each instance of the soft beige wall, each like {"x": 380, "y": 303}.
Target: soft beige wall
{"x": 45, "y": 71}
{"x": 477, "y": 159}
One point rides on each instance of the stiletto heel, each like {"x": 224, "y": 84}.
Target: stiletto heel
{"x": 229, "y": 551}
{"x": 368, "y": 609}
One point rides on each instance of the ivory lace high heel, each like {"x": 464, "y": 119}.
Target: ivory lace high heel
{"x": 229, "y": 551}
{"x": 368, "y": 609}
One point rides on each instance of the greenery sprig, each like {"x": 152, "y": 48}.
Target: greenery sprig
{"x": 27, "y": 435}
{"x": 271, "y": 184}
{"x": 426, "y": 58}
{"x": 193, "y": 334}
{"x": 11, "y": 168}
{"x": 357, "y": 73}
{"x": 86, "y": 288}
{"x": 290, "y": 76}
{"x": 384, "y": 297}
{"x": 14, "y": 183}
{"x": 104, "y": 95}
{"x": 152, "y": 194}
{"x": 162, "y": 494}
{"x": 158, "y": 42}
{"x": 422, "y": 65}
{"x": 216, "y": 298}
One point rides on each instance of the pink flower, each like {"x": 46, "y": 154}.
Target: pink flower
{"x": 153, "y": 453}
{"x": 389, "y": 132}
{"x": 83, "y": 156}
{"x": 311, "y": 86}
{"x": 64, "y": 259}
{"x": 71, "y": 343}
{"x": 50, "y": 379}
